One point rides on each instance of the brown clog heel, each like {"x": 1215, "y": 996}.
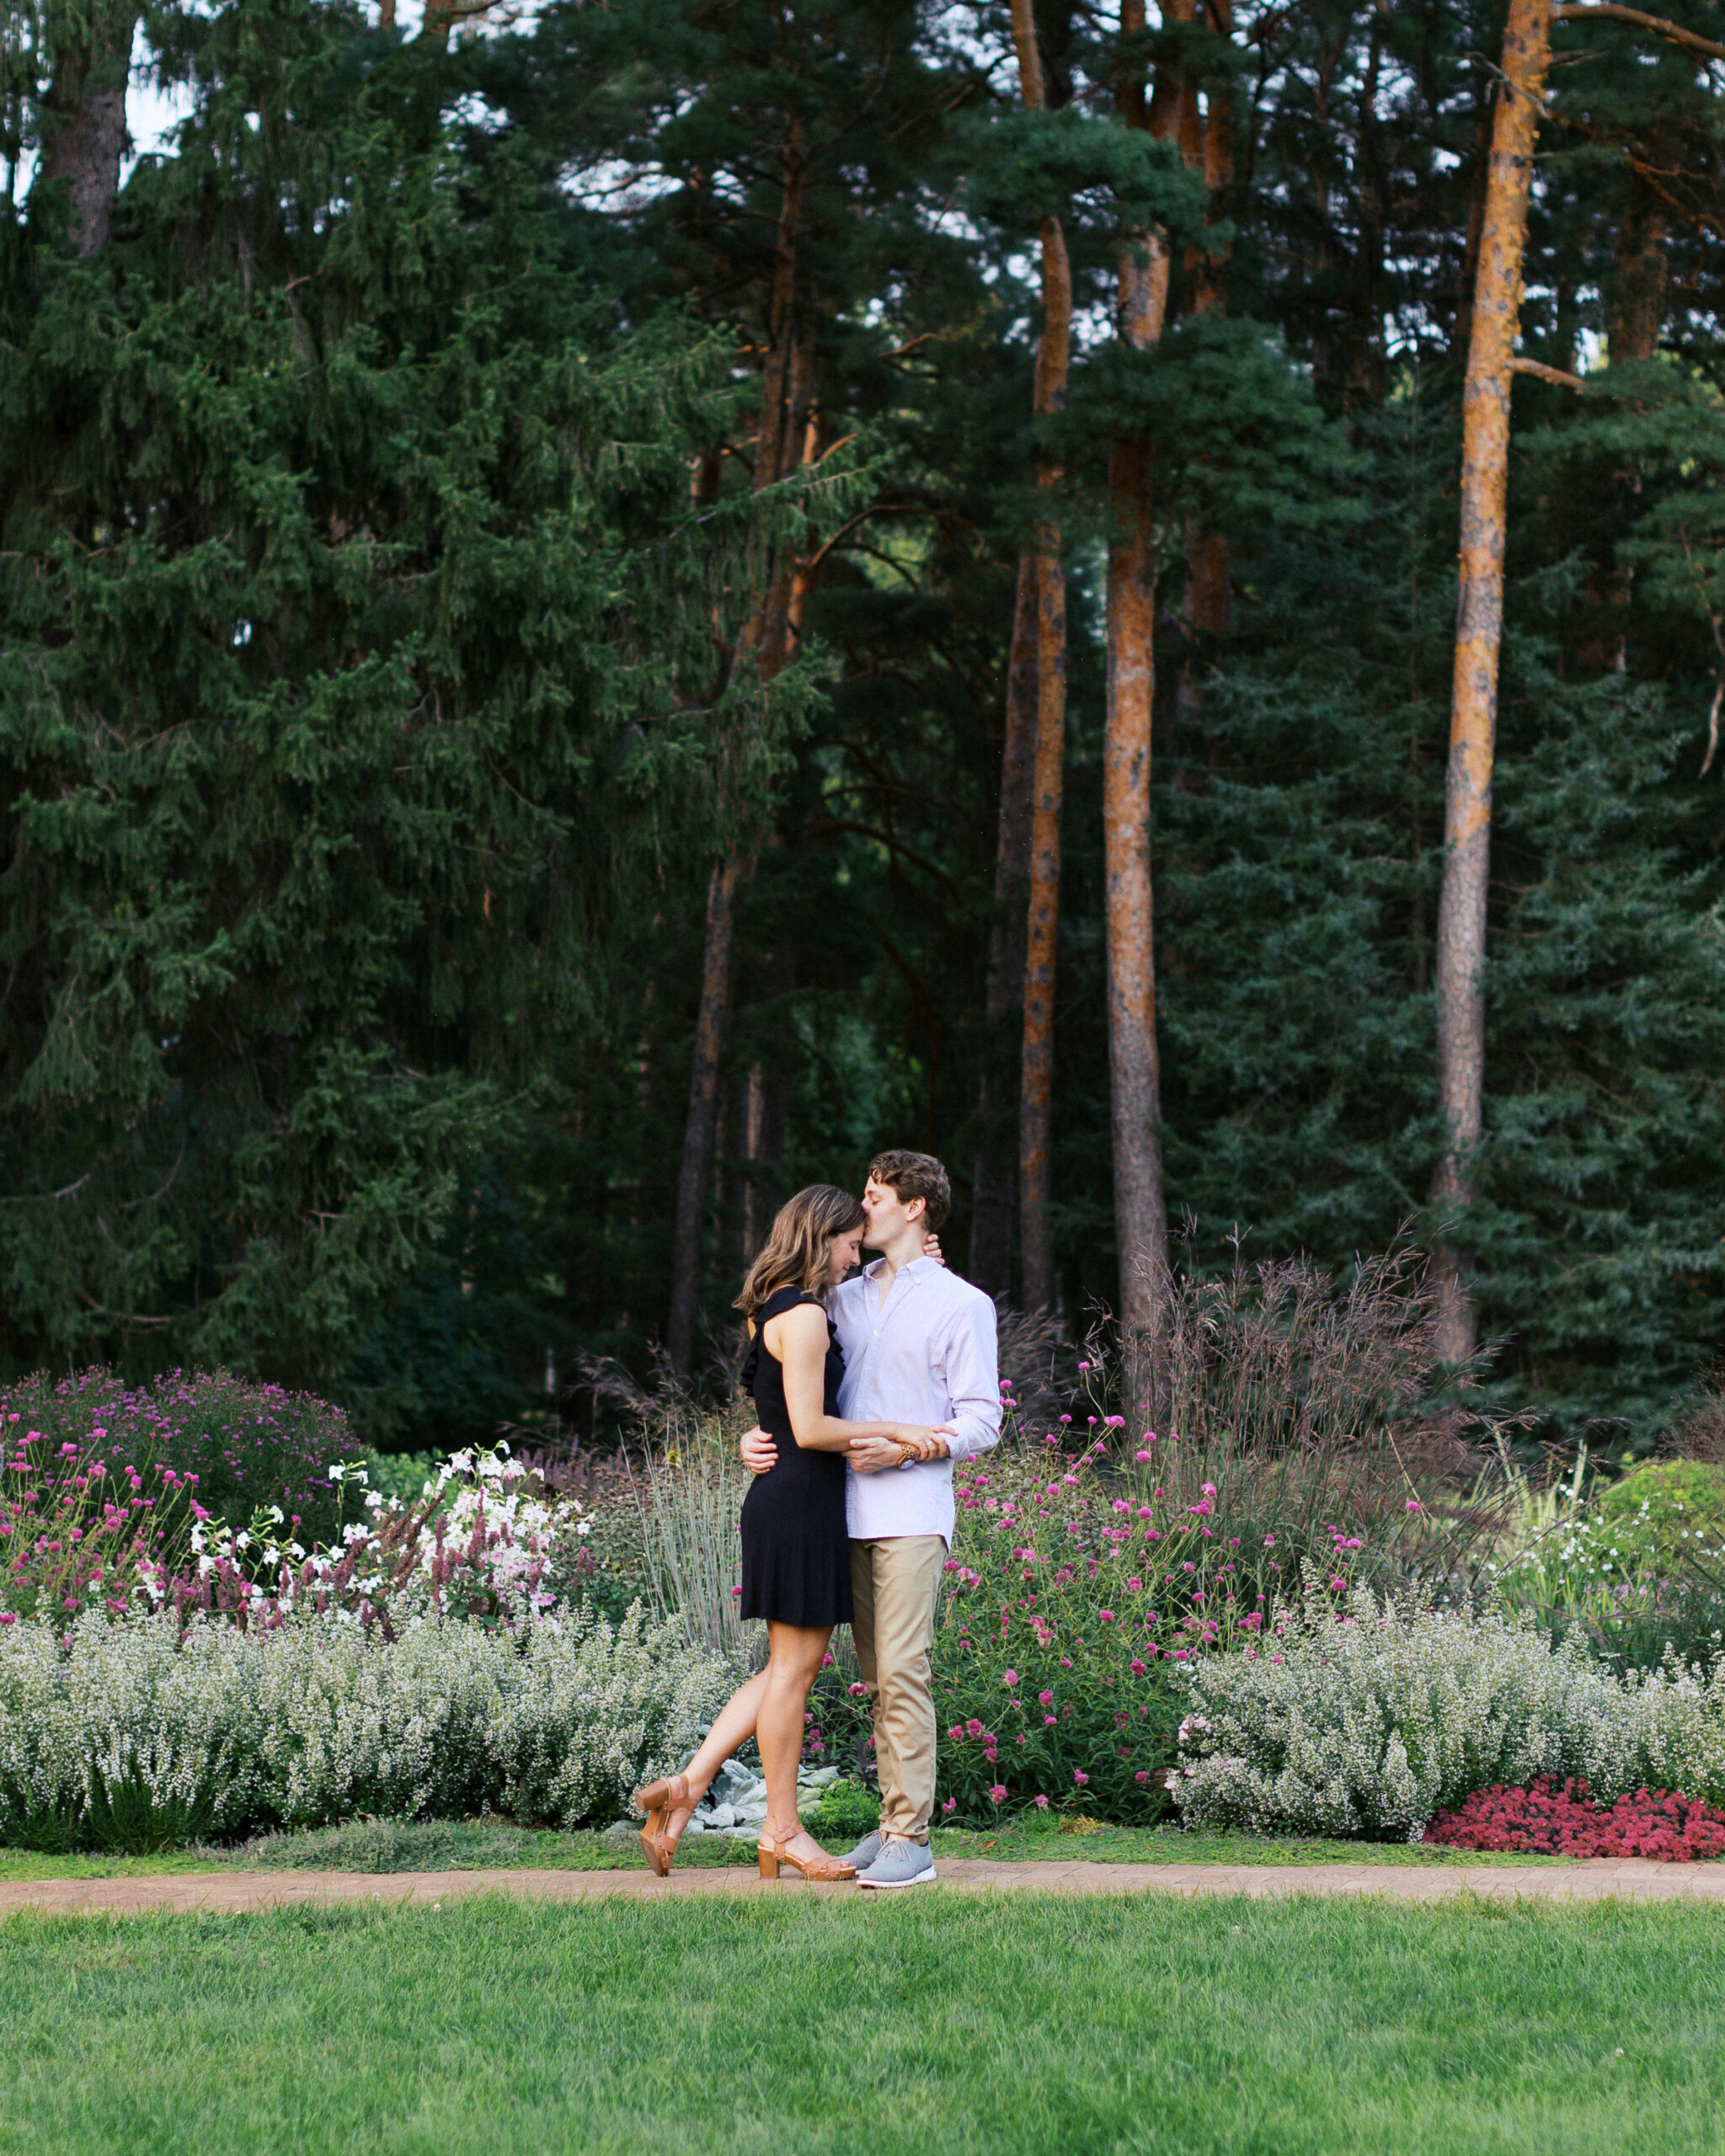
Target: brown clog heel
{"x": 659, "y": 1800}
{"x": 775, "y": 1850}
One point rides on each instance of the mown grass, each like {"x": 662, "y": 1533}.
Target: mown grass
{"x": 483, "y": 1844}
{"x": 1136, "y": 2026}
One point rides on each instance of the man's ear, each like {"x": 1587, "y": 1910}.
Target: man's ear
{"x": 915, "y": 1208}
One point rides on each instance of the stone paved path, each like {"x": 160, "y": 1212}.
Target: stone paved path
{"x": 225, "y": 1892}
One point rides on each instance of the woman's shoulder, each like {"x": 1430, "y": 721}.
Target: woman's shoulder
{"x": 782, "y": 1299}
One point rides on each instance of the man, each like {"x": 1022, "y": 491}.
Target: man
{"x": 919, "y": 1347}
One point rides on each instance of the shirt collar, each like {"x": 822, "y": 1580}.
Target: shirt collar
{"x": 914, "y": 1270}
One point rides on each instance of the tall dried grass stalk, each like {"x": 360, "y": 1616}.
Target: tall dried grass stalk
{"x": 689, "y": 1490}
{"x": 1312, "y": 1407}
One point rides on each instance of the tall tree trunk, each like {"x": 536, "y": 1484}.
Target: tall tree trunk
{"x": 1041, "y": 913}
{"x": 1134, "y": 1081}
{"x": 787, "y": 401}
{"x": 1467, "y": 800}
{"x": 83, "y": 137}
{"x": 992, "y": 1194}
{"x": 728, "y": 877}
{"x": 1207, "y": 146}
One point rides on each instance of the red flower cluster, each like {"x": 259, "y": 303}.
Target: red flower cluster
{"x": 1555, "y": 1822}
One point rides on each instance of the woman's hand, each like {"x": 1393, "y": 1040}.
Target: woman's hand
{"x": 923, "y": 1441}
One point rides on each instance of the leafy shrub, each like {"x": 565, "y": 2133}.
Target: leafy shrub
{"x": 1672, "y": 1511}
{"x": 1636, "y": 1571}
{"x": 1357, "y": 1717}
{"x": 1075, "y": 1591}
{"x": 846, "y": 1812}
{"x": 1564, "y": 1823}
{"x": 233, "y": 1446}
{"x": 135, "y": 1731}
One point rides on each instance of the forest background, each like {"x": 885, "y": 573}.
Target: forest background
{"x": 557, "y": 663}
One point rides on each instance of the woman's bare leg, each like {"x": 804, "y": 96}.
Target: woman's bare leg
{"x": 793, "y": 1662}
{"x": 732, "y": 1729}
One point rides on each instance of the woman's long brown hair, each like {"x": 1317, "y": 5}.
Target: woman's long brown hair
{"x": 795, "y": 1252}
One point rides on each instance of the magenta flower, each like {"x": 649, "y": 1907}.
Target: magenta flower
{"x": 1042, "y": 1804}
{"x": 951, "y": 1804}
{"x": 1080, "y": 1777}
{"x": 1009, "y": 1677}
{"x": 956, "y": 1734}
{"x": 973, "y": 1728}
{"x": 1106, "y": 1616}
{"x": 997, "y": 1794}
{"x": 1045, "y": 1699}
{"x": 1142, "y": 1457}
{"x": 1138, "y": 1668}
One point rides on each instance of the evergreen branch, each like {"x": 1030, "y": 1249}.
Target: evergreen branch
{"x": 1541, "y": 372}
{"x": 1673, "y": 33}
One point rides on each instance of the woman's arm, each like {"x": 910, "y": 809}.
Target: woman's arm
{"x": 797, "y": 1337}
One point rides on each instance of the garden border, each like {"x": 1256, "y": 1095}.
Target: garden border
{"x": 1592, "y": 1879}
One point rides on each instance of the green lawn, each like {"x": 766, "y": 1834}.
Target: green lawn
{"x": 1005, "y": 2025}
{"x": 442, "y": 1845}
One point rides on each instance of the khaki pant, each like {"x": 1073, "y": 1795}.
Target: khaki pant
{"x": 896, "y": 1585}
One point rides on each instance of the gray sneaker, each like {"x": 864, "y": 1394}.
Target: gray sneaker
{"x": 866, "y": 1851}
{"x": 900, "y": 1864}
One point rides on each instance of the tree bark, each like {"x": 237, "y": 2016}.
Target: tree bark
{"x": 992, "y": 1191}
{"x": 728, "y": 877}
{"x": 1208, "y": 147}
{"x": 784, "y": 441}
{"x": 83, "y": 140}
{"x": 1467, "y": 803}
{"x": 1042, "y": 916}
{"x": 1135, "y": 1081}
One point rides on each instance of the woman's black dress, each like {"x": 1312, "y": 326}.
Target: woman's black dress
{"x": 796, "y": 1552}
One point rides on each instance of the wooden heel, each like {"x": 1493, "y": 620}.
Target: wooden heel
{"x": 768, "y": 1861}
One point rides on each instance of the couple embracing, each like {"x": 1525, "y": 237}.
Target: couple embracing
{"x": 867, "y": 1389}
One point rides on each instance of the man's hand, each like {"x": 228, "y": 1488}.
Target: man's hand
{"x": 931, "y": 1248}
{"x": 758, "y": 1452}
{"x": 868, "y": 1455}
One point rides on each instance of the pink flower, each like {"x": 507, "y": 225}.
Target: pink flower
{"x": 973, "y": 1728}
{"x": 1414, "y": 1504}
{"x": 1080, "y": 1777}
{"x": 1138, "y": 1668}
{"x": 997, "y": 1794}
{"x": 1136, "y": 1585}
{"x": 1042, "y": 1804}
{"x": 1009, "y": 1677}
{"x": 1337, "y": 1586}
{"x": 1048, "y": 1722}
{"x": 1045, "y": 1699}
{"x": 1142, "y": 1457}
{"x": 951, "y": 1804}
{"x": 1270, "y": 1542}
{"x": 1106, "y": 1616}
{"x": 956, "y": 1734}
{"x": 1142, "y": 1775}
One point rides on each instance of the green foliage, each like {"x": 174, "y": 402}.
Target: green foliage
{"x": 1665, "y": 1504}
{"x": 846, "y": 1812}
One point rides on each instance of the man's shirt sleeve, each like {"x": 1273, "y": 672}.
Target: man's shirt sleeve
{"x": 973, "y": 1373}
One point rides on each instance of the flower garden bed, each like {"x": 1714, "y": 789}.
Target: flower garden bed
{"x": 1554, "y": 1822}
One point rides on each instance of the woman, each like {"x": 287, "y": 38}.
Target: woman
{"x": 796, "y": 1552}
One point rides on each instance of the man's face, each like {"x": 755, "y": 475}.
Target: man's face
{"x": 887, "y": 1214}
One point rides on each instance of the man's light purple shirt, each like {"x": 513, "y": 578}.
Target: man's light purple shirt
{"x": 926, "y": 1354}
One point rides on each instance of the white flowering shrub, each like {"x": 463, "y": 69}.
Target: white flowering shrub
{"x": 216, "y": 1729}
{"x": 1366, "y": 1719}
